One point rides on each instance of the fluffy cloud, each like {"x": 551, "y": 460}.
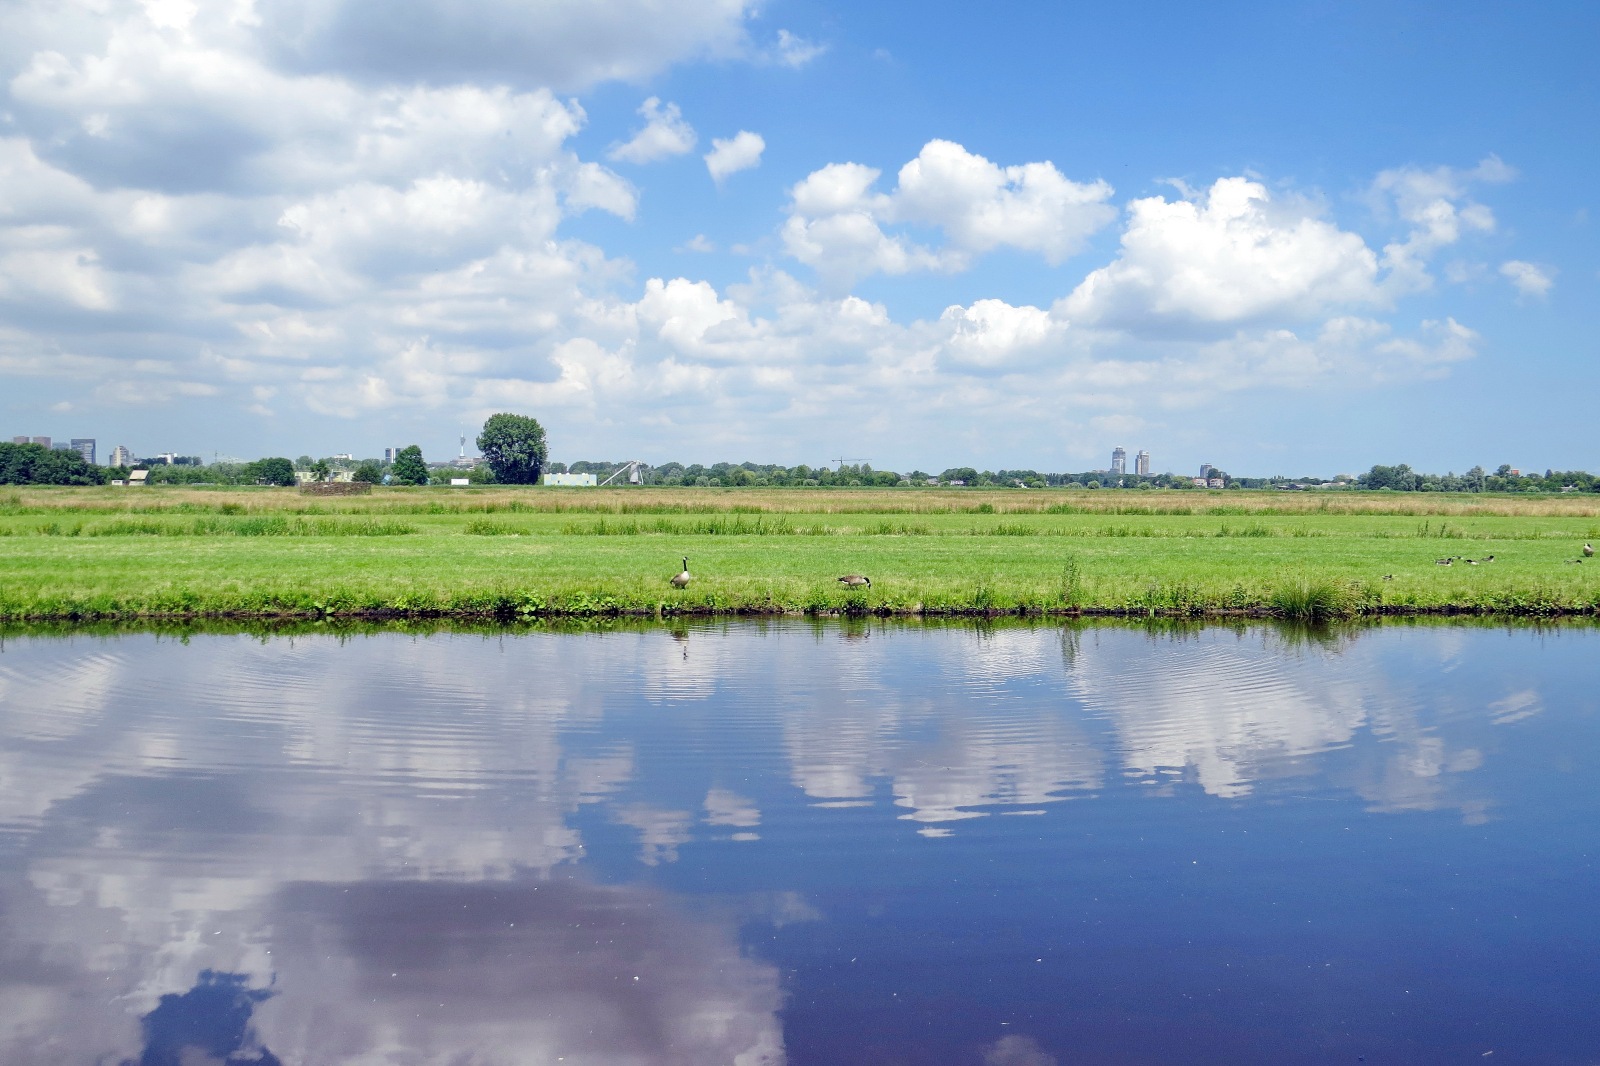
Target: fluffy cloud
{"x": 568, "y": 44}
{"x": 992, "y": 332}
{"x": 1529, "y": 279}
{"x": 836, "y": 218}
{"x": 1435, "y": 204}
{"x": 730, "y": 155}
{"x": 795, "y": 51}
{"x": 1230, "y": 255}
{"x": 665, "y": 134}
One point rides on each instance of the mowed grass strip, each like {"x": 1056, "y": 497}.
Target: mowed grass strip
{"x": 89, "y": 554}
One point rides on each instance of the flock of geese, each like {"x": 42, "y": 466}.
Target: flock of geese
{"x": 856, "y": 581}
{"x": 1451, "y": 560}
{"x": 849, "y": 581}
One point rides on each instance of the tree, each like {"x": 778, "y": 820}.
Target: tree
{"x": 409, "y": 469}
{"x": 34, "y": 464}
{"x": 277, "y": 471}
{"x": 320, "y": 470}
{"x": 514, "y": 448}
{"x": 368, "y": 471}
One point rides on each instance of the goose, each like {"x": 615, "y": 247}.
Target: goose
{"x": 680, "y": 580}
{"x": 855, "y": 581}
{"x": 1588, "y": 551}
{"x": 1443, "y": 562}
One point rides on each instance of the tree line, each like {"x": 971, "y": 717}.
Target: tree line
{"x": 1402, "y": 478}
{"x": 515, "y": 453}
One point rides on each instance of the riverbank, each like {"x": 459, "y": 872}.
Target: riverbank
{"x": 85, "y": 554}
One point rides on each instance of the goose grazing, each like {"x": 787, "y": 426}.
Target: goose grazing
{"x": 1443, "y": 562}
{"x": 680, "y": 580}
{"x": 855, "y": 581}
{"x": 1588, "y": 550}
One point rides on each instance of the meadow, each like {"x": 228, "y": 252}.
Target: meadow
{"x": 116, "y": 553}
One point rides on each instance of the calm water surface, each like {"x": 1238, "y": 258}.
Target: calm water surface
{"x": 781, "y": 843}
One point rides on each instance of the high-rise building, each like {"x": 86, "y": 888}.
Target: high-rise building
{"x": 1119, "y": 461}
{"x": 1141, "y": 463}
{"x": 62, "y": 446}
{"x": 43, "y": 442}
{"x": 84, "y": 446}
{"x": 121, "y": 456}
{"x": 19, "y": 440}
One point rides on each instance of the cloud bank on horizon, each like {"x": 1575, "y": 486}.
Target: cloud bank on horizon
{"x": 297, "y": 214}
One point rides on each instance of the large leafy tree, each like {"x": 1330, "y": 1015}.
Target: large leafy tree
{"x": 514, "y": 448}
{"x": 274, "y": 471}
{"x": 408, "y": 468}
{"x": 369, "y": 471}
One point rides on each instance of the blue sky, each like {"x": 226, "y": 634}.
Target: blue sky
{"x": 1278, "y": 238}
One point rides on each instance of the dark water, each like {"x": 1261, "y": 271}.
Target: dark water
{"x": 765, "y": 844}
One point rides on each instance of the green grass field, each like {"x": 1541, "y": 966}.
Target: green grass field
{"x": 128, "y": 553}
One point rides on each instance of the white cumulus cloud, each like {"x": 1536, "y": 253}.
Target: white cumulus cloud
{"x": 837, "y": 220}
{"x": 665, "y": 134}
{"x": 730, "y": 155}
{"x": 1435, "y": 203}
{"x": 1228, "y": 255}
{"x": 1529, "y": 279}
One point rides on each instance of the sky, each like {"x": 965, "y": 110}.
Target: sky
{"x": 1277, "y": 238}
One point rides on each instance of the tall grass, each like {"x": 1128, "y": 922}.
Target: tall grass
{"x": 1307, "y": 599}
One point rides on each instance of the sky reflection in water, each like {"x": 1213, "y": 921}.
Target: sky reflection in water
{"x": 758, "y": 844}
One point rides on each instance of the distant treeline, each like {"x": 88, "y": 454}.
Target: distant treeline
{"x": 1404, "y": 479}
{"x": 851, "y": 474}
{"x": 33, "y": 464}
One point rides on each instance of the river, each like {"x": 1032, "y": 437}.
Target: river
{"x": 837, "y": 843}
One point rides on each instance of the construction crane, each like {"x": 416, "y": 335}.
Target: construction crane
{"x": 841, "y": 462}
{"x": 631, "y": 468}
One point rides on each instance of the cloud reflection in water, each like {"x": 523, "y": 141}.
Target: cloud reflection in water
{"x": 387, "y": 831}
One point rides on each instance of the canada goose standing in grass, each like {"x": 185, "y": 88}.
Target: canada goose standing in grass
{"x": 855, "y": 581}
{"x": 680, "y": 580}
{"x": 1588, "y": 550}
